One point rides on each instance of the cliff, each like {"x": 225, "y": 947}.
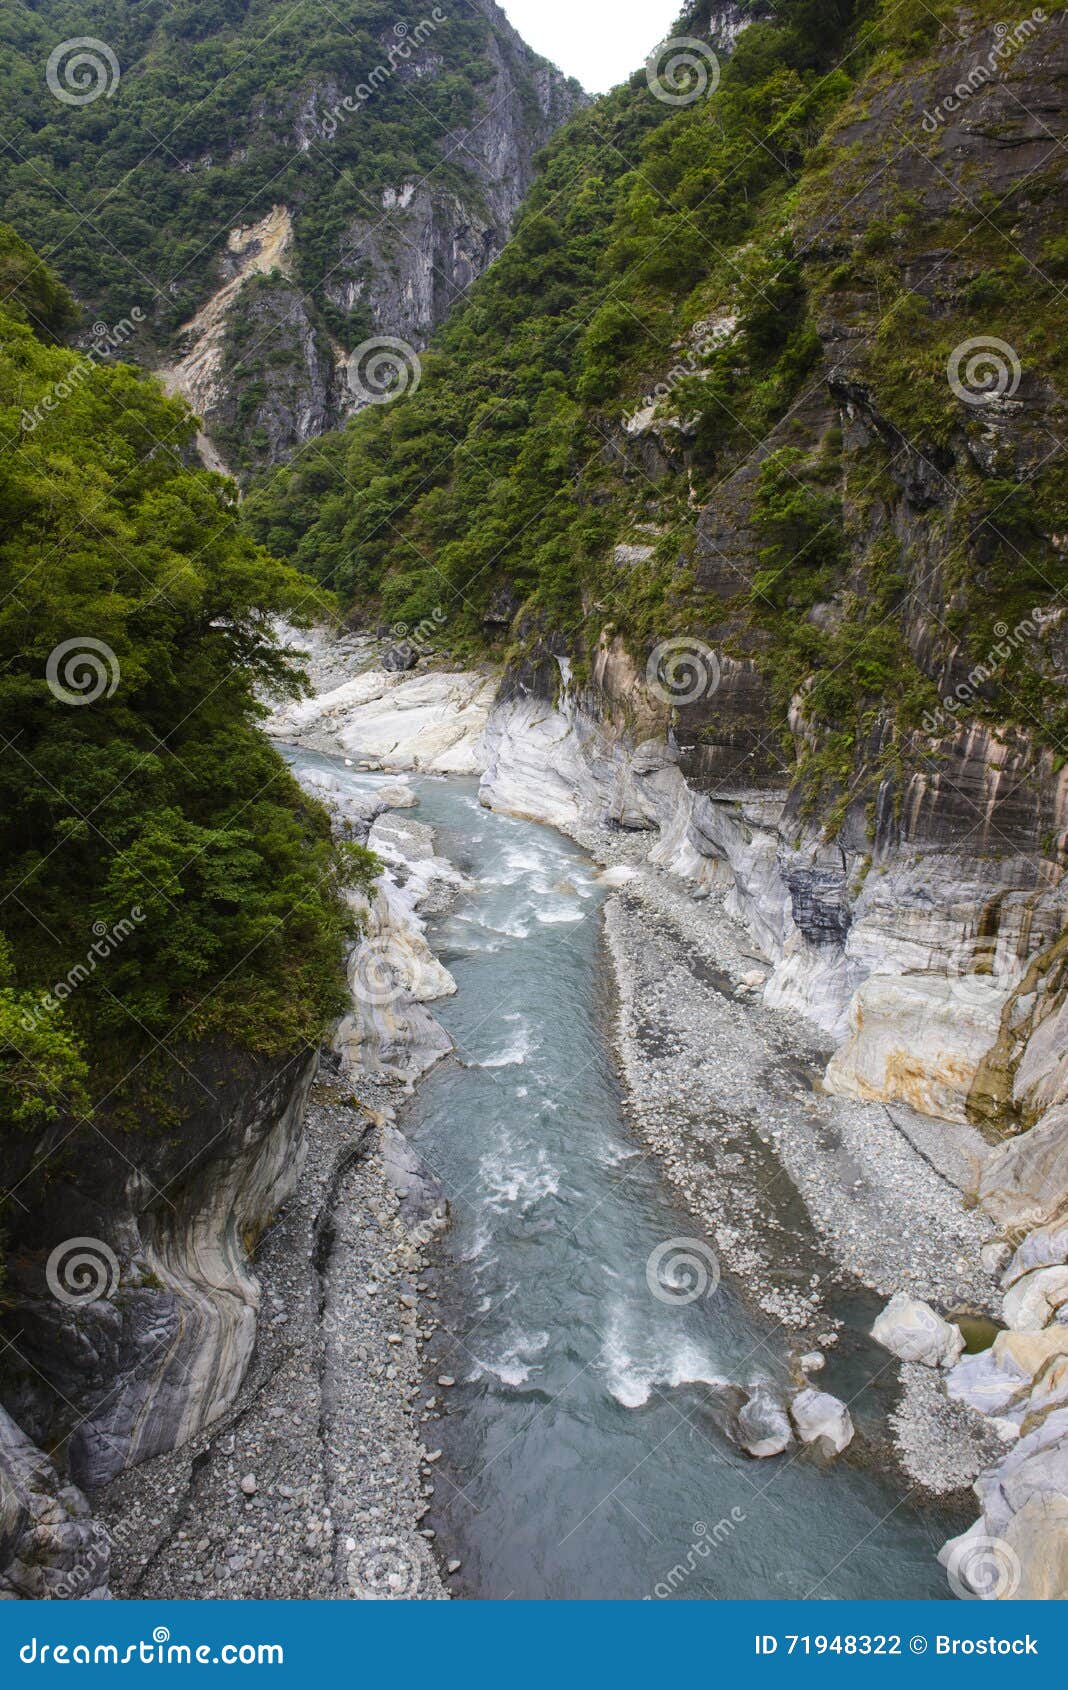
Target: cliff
{"x": 276, "y": 186}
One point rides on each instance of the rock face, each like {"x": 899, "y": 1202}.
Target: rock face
{"x": 264, "y": 360}
{"x": 913, "y": 1331}
{"x": 393, "y": 974}
{"x": 133, "y": 1293}
{"x": 431, "y": 722}
{"x": 50, "y": 1546}
{"x": 918, "y": 1039}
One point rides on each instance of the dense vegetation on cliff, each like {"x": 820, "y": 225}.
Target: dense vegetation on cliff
{"x": 237, "y": 97}
{"x": 162, "y": 879}
{"x": 800, "y": 245}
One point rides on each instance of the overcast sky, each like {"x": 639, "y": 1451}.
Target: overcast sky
{"x": 599, "y": 41}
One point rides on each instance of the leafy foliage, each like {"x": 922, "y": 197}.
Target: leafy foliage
{"x": 143, "y": 815}
{"x": 221, "y": 111}
{"x": 678, "y": 266}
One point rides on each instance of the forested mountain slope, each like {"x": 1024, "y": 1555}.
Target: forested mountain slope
{"x": 780, "y": 369}
{"x": 338, "y": 172}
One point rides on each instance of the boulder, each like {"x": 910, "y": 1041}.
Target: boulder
{"x": 911, "y": 1330}
{"x": 398, "y": 659}
{"x": 764, "y": 1425}
{"x": 987, "y": 1382}
{"x": 822, "y": 1420}
{"x": 1047, "y": 1246}
{"x": 1033, "y": 1301}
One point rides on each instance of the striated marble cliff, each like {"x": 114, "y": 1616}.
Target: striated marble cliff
{"x": 133, "y": 1301}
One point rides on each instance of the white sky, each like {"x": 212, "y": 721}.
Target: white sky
{"x": 599, "y": 41}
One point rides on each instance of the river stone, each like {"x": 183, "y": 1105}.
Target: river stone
{"x": 764, "y": 1426}
{"x": 398, "y": 659}
{"x": 822, "y": 1420}
{"x": 1047, "y": 1246}
{"x": 911, "y": 1330}
{"x": 1034, "y": 1300}
{"x": 986, "y": 1382}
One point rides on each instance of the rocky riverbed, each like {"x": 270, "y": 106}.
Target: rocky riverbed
{"x": 806, "y": 1196}
{"x": 315, "y": 1484}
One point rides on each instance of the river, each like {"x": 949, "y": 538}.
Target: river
{"x": 583, "y": 1449}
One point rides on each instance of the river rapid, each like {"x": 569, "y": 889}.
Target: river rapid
{"x": 583, "y": 1445}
